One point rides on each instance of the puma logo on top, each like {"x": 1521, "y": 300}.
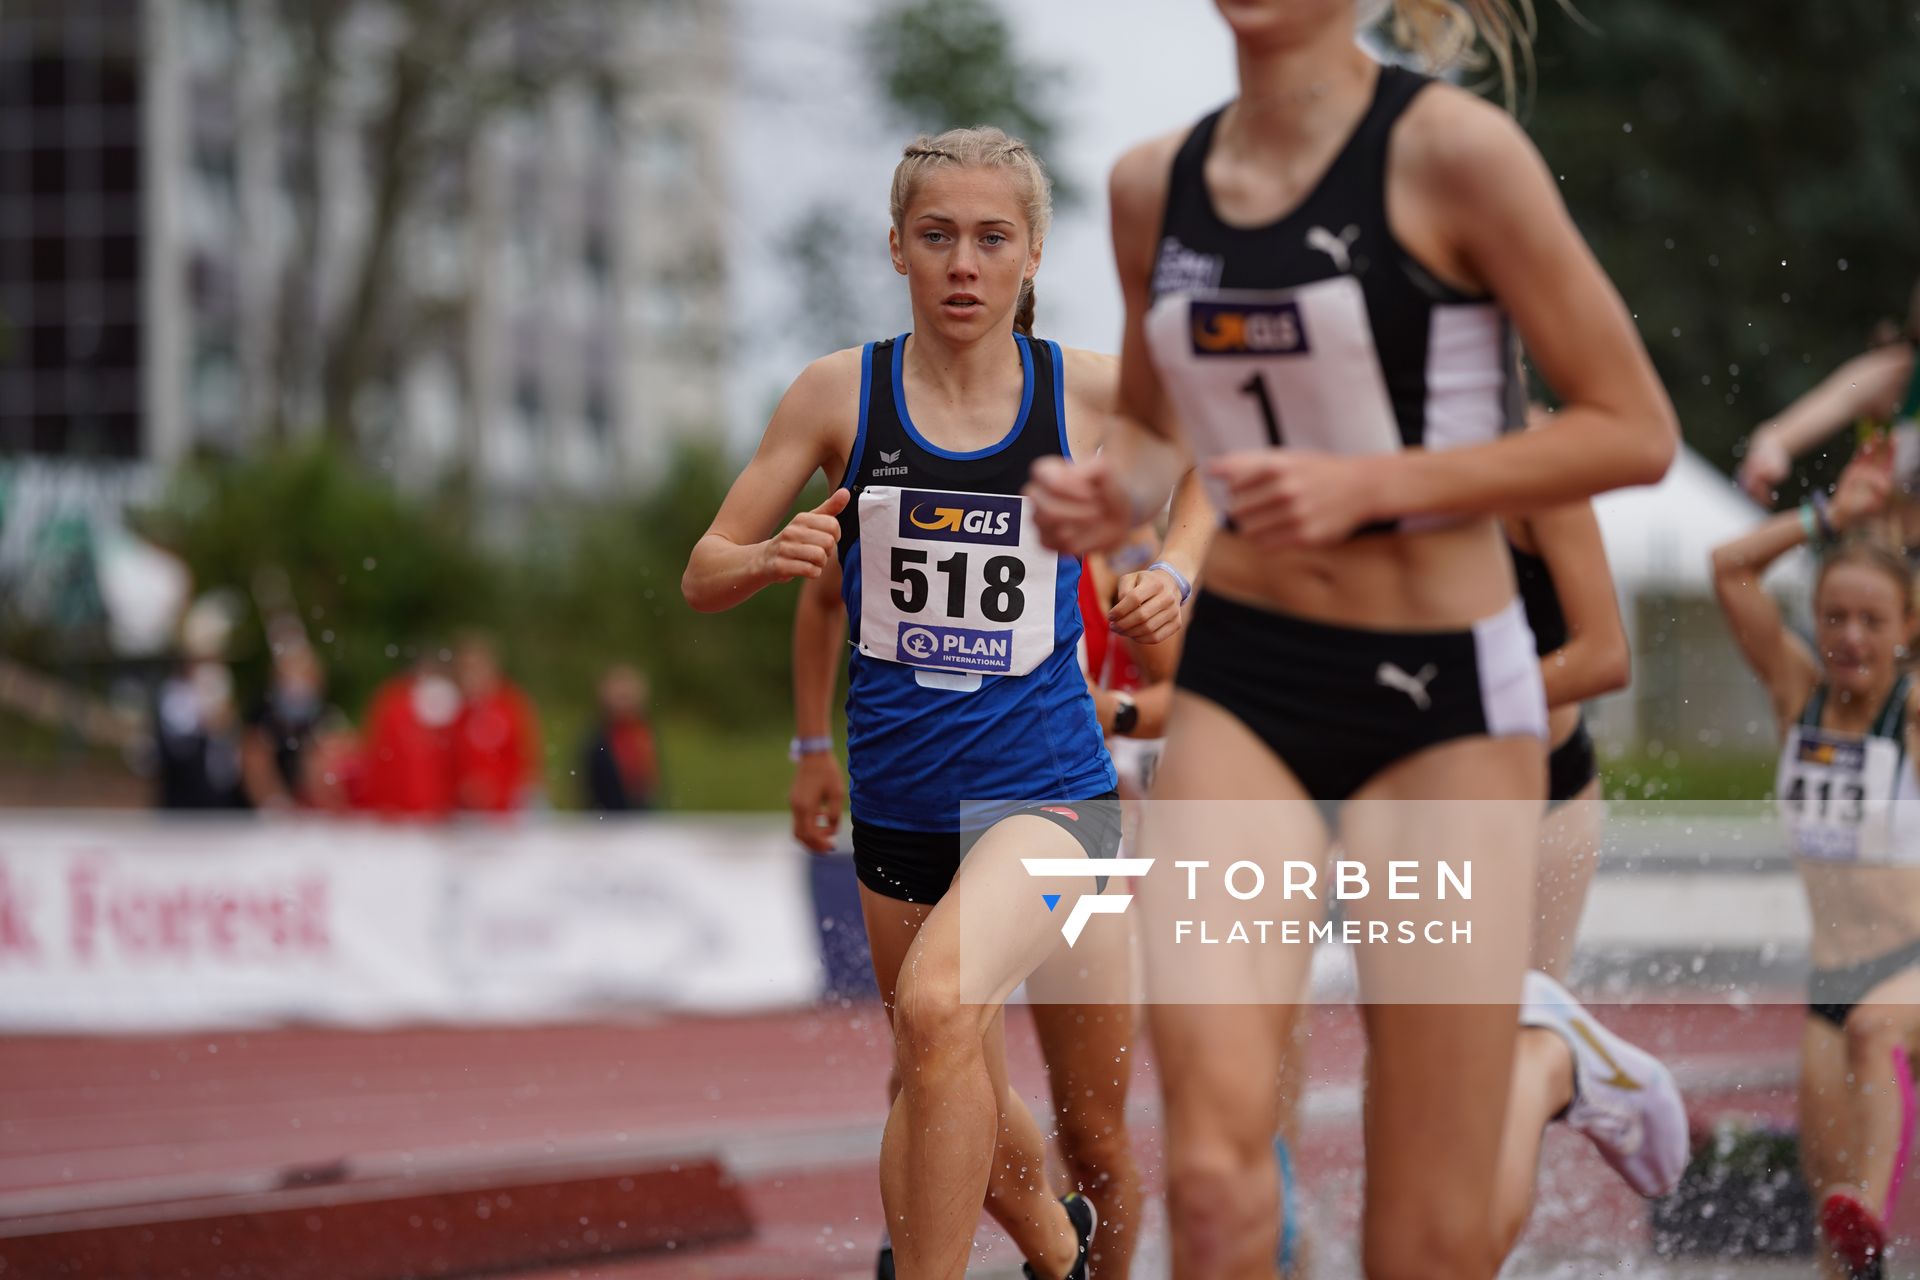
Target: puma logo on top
{"x": 1333, "y": 246}
{"x": 890, "y": 470}
{"x": 1414, "y": 686}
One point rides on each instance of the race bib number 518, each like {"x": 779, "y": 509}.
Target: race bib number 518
{"x": 954, "y": 582}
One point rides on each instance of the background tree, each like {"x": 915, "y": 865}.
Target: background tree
{"x": 1747, "y": 175}
{"x": 944, "y": 64}
{"x": 934, "y": 65}
{"x": 441, "y": 74}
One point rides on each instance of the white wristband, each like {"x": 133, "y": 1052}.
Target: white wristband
{"x": 1186, "y": 588}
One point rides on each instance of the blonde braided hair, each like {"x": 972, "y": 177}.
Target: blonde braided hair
{"x": 982, "y": 147}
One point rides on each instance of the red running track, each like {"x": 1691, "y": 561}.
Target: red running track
{"x": 793, "y": 1101}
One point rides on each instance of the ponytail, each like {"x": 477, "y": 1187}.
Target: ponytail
{"x": 1443, "y": 33}
{"x": 1023, "y": 313}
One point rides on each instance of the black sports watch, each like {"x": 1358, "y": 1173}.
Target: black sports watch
{"x": 1126, "y": 716}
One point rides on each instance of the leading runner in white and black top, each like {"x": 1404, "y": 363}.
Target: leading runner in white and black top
{"x": 1322, "y": 284}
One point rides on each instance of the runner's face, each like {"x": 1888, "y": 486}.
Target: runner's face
{"x": 965, "y": 250}
{"x": 1282, "y": 23}
{"x": 1858, "y": 624}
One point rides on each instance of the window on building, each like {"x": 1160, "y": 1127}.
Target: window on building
{"x": 663, "y": 309}
{"x": 597, "y": 413}
{"x": 213, "y": 393}
{"x": 213, "y": 196}
{"x": 596, "y": 261}
{"x": 666, "y": 152}
{"x": 609, "y": 112}
{"x": 211, "y": 33}
{"x": 529, "y": 406}
{"x": 70, "y": 258}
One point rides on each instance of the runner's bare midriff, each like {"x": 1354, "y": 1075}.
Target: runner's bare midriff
{"x": 1860, "y": 912}
{"x": 1442, "y": 579}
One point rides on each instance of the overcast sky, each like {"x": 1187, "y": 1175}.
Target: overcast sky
{"x": 809, "y": 128}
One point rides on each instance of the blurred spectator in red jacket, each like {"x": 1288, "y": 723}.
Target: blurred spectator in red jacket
{"x": 334, "y": 777}
{"x": 408, "y": 760}
{"x": 621, "y": 768}
{"x": 496, "y": 749}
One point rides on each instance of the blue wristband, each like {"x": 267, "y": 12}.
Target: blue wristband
{"x": 808, "y": 747}
{"x": 1821, "y": 517}
{"x": 1186, "y": 588}
{"x": 1810, "y": 523}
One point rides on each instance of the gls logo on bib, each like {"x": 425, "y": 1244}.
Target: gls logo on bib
{"x": 1833, "y": 753}
{"x": 1248, "y": 329}
{"x": 980, "y": 518}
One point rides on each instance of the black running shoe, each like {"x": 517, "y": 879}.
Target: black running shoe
{"x": 1085, "y": 1222}
{"x": 883, "y": 1268}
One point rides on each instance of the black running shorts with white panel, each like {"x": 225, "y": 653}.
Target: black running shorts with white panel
{"x": 1338, "y": 705}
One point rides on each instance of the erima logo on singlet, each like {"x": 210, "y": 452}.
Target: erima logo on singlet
{"x": 955, "y": 517}
{"x": 1248, "y": 329}
{"x": 889, "y": 470}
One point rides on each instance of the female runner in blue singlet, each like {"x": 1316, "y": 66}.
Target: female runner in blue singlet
{"x": 969, "y": 723}
{"x": 1084, "y": 1018}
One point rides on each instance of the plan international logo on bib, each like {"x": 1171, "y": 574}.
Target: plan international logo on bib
{"x": 988, "y": 519}
{"x": 956, "y": 648}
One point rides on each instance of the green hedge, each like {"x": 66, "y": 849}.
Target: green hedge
{"x": 566, "y": 587}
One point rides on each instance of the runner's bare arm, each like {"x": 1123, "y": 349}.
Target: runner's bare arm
{"x": 1868, "y": 385}
{"x": 1496, "y": 211}
{"x": 1784, "y": 663}
{"x": 746, "y": 549}
{"x": 1092, "y": 504}
{"x": 1594, "y": 660}
{"x": 818, "y": 793}
{"x": 1191, "y": 522}
{"x": 1148, "y": 607}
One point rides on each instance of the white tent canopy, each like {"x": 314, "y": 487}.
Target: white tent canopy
{"x": 1661, "y": 537}
{"x": 1689, "y": 684}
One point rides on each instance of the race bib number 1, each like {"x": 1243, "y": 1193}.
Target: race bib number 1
{"x": 954, "y": 582}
